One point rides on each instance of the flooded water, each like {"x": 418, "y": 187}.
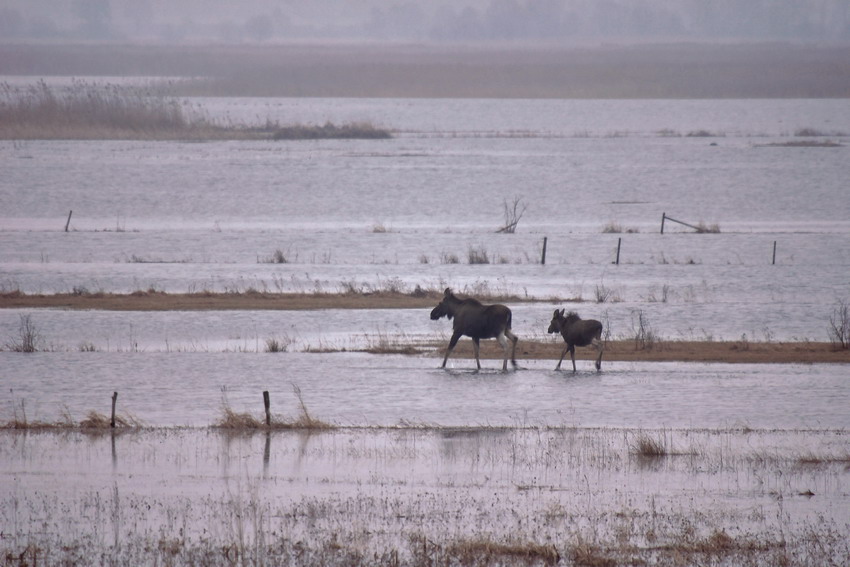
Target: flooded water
{"x": 412, "y": 497}
{"x": 759, "y": 452}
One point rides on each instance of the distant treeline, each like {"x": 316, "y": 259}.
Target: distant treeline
{"x": 681, "y": 70}
{"x": 412, "y": 20}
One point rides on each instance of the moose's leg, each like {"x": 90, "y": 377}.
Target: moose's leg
{"x": 573, "y": 356}
{"x": 514, "y": 339}
{"x": 600, "y": 347}
{"x": 504, "y": 342}
{"x": 475, "y": 347}
{"x": 563, "y": 354}
{"x": 452, "y": 343}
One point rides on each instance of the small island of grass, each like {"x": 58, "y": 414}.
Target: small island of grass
{"x": 90, "y": 111}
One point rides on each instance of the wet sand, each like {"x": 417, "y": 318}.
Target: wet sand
{"x": 660, "y": 350}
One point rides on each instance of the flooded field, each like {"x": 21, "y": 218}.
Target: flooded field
{"x": 643, "y": 463}
{"x": 480, "y": 496}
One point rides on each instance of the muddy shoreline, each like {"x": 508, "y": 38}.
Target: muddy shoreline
{"x": 739, "y": 351}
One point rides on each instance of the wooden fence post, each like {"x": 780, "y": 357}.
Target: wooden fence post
{"x": 543, "y": 258}
{"x": 69, "y": 220}
{"x": 774, "y": 253}
{"x": 114, "y": 400}
{"x": 267, "y": 404}
{"x": 663, "y": 217}
{"x": 619, "y": 242}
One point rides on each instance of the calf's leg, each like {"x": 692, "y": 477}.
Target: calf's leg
{"x": 600, "y": 347}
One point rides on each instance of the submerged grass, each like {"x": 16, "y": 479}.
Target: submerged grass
{"x": 450, "y": 498}
{"x": 92, "y": 421}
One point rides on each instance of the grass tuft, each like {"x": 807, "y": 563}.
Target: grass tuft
{"x": 487, "y": 552}
{"x": 234, "y": 421}
{"x": 648, "y": 447}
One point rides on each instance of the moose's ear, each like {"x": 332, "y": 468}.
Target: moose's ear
{"x": 556, "y": 313}
{"x": 562, "y": 311}
{"x": 448, "y": 292}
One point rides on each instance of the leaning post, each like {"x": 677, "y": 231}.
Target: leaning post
{"x": 68, "y": 223}
{"x": 663, "y": 217}
{"x": 619, "y": 242}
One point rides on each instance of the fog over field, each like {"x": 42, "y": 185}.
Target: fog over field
{"x": 554, "y": 21}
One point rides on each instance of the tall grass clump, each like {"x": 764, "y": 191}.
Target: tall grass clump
{"x": 234, "y": 421}
{"x": 649, "y": 447}
{"x": 478, "y": 255}
{"x": 91, "y": 111}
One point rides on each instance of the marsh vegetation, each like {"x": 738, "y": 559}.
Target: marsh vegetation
{"x": 427, "y": 495}
{"x": 86, "y": 110}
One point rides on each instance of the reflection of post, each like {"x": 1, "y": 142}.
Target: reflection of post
{"x": 114, "y": 453}
{"x": 267, "y": 451}
{"x": 267, "y": 404}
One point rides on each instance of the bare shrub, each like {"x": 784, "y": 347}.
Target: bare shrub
{"x": 644, "y": 337}
{"x": 839, "y": 325}
{"x": 603, "y": 293}
{"x": 29, "y": 338}
{"x": 513, "y": 213}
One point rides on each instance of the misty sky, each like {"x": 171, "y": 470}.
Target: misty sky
{"x": 553, "y": 21}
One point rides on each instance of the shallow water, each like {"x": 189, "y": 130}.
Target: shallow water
{"x": 191, "y": 388}
{"x": 391, "y": 495}
{"x": 187, "y": 217}
{"x": 758, "y": 451}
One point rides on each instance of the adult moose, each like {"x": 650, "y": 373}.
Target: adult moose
{"x": 477, "y": 321}
{"x": 577, "y": 332}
